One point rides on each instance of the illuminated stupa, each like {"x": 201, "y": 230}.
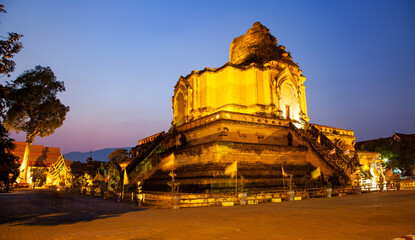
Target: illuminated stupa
{"x": 260, "y": 79}
{"x": 252, "y": 111}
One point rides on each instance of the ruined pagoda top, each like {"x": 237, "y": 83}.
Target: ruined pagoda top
{"x": 257, "y": 46}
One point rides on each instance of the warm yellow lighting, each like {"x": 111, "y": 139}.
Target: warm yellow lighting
{"x": 140, "y": 196}
{"x": 231, "y": 169}
{"x": 124, "y": 165}
{"x": 168, "y": 163}
{"x": 386, "y": 159}
{"x": 275, "y": 87}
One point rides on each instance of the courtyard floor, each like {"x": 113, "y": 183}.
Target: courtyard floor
{"x": 44, "y": 214}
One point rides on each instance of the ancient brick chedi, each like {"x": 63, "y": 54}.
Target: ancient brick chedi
{"x": 260, "y": 79}
{"x": 252, "y": 111}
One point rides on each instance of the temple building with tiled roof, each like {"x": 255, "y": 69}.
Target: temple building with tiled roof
{"x": 40, "y": 156}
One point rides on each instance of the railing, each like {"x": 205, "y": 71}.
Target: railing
{"x": 407, "y": 185}
{"x": 339, "y": 157}
{"x": 328, "y": 143}
{"x": 163, "y": 199}
{"x": 146, "y": 152}
{"x": 145, "y": 167}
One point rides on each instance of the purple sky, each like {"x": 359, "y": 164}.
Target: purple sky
{"x": 121, "y": 59}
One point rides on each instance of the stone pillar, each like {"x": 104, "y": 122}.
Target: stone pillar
{"x": 189, "y": 102}
{"x": 278, "y": 96}
{"x": 274, "y": 101}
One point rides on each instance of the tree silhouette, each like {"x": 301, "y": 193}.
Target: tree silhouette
{"x": 401, "y": 154}
{"x": 8, "y": 48}
{"x": 8, "y": 161}
{"x": 119, "y": 155}
{"x": 34, "y": 108}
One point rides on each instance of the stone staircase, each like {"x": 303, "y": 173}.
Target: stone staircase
{"x": 144, "y": 165}
{"x": 147, "y": 149}
{"x": 337, "y": 162}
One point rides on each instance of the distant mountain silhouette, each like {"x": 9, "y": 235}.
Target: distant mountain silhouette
{"x": 98, "y": 155}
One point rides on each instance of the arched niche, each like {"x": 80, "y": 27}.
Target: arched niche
{"x": 289, "y": 104}
{"x": 179, "y": 109}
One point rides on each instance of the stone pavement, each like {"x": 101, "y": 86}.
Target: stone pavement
{"x": 42, "y": 214}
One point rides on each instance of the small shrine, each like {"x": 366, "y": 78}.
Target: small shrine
{"x": 59, "y": 174}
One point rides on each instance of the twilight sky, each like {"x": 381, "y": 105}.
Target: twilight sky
{"x": 121, "y": 59}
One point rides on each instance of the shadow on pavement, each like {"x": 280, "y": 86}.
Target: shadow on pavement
{"x": 49, "y": 208}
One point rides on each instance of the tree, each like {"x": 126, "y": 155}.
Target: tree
{"x": 8, "y": 48}
{"x": 405, "y": 155}
{"x": 39, "y": 170}
{"x": 114, "y": 179}
{"x": 119, "y": 158}
{"x": 78, "y": 169}
{"x": 34, "y": 108}
{"x": 400, "y": 154}
{"x": 119, "y": 155}
{"x": 8, "y": 162}
{"x": 39, "y": 175}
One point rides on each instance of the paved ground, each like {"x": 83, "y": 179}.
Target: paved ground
{"x": 42, "y": 214}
